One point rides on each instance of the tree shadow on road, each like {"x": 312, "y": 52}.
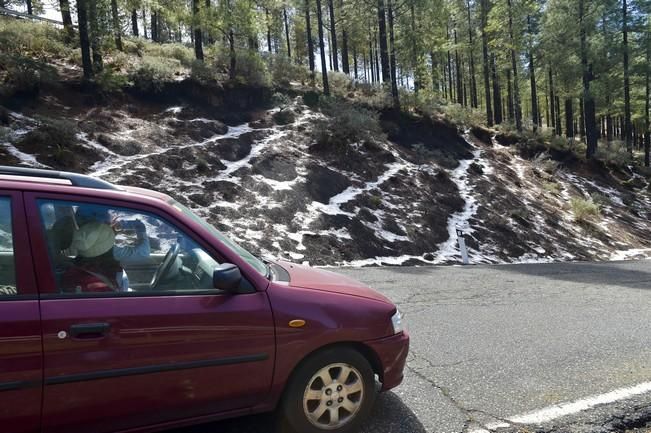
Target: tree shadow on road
{"x": 624, "y": 274}
{"x": 389, "y": 414}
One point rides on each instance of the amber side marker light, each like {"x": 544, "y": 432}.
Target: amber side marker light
{"x": 298, "y": 323}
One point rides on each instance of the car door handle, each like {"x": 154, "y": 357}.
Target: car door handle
{"x": 89, "y": 330}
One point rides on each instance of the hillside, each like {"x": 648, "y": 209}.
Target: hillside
{"x": 273, "y": 174}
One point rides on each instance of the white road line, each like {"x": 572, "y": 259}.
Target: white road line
{"x": 563, "y": 409}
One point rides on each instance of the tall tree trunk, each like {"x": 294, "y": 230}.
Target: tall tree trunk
{"x": 509, "y": 96}
{"x": 117, "y": 30}
{"x": 84, "y": 40}
{"x": 486, "y": 67}
{"x": 66, "y": 18}
{"x": 547, "y": 114}
{"x": 333, "y": 36}
{"x": 559, "y": 126}
{"x": 627, "y": 82}
{"x": 324, "y": 71}
{"x": 372, "y": 62}
{"x": 198, "y": 37}
{"x": 345, "y": 63}
{"x": 209, "y": 36}
{"x": 330, "y": 56}
{"x": 394, "y": 85}
{"x": 432, "y": 59}
{"x": 134, "y": 22}
{"x": 232, "y": 70}
{"x": 589, "y": 114}
{"x": 310, "y": 45}
{"x": 266, "y": 11}
{"x": 532, "y": 76}
{"x": 144, "y": 23}
{"x": 289, "y": 47}
{"x": 569, "y": 118}
{"x": 30, "y": 8}
{"x": 497, "y": 93}
{"x": 459, "y": 77}
{"x": 354, "y": 61}
{"x": 154, "y": 26}
{"x": 384, "y": 51}
{"x": 377, "y": 61}
{"x": 471, "y": 54}
{"x": 95, "y": 41}
{"x": 514, "y": 66}
{"x": 552, "y": 100}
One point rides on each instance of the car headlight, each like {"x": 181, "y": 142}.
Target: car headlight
{"x": 396, "y": 321}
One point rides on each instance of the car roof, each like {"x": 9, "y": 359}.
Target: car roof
{"x": 29, "y": 179}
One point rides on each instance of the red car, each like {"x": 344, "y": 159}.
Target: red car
{"x": 122, "y": 311}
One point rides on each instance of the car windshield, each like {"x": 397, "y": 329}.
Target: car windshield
{"x": 250, "y": 258}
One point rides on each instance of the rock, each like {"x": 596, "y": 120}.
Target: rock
{"x": 366, "y": 215}
{"x": 483, "y": 134}
{"x": 323, "y": 183}
{"x": 476, "y": 168}
{"x": 275, "y": 166}
{"x": 507, "y": 138}
{"x": 4, "y": 116}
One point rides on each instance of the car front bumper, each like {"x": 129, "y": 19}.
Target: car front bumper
{"x": 392, "y": 353}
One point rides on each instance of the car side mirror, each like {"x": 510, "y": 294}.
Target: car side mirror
{"x": 227, "y": 277}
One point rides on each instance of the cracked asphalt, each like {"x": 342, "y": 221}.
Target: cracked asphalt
{"x": 493, "y": 342}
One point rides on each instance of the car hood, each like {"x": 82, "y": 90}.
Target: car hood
{"x": 319, "y": 279}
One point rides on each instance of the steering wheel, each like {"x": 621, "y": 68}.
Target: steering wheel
{"x": 165, "y": 266}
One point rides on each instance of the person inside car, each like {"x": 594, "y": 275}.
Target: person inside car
{"x": 95, "y": 268}
{"x": 141, "y": 250}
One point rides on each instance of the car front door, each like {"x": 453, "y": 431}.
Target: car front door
{"x": 123, "y": 355}
{"x": 21, "y": 354}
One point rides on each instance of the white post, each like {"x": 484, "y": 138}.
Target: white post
{"x": 462, "y": 247}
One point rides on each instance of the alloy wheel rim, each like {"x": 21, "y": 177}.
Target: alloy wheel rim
{"x": 333, "y": 396}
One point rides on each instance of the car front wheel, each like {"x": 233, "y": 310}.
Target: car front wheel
{"x": 332, "y": 391}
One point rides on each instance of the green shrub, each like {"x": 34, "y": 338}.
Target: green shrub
{"x": 284, "y": 117}
{"x": 202, "y": 165}
{"x": 615, "y": 155}
{"x": 463, "y": 117}
{"x": 340, "y": 84}
{"x": 184, "y": 55}
{"x": 24, "y": 75}
{"x": 280, "y": 100}
{"x": 284, "y": 71}
{"x": 133, "y": 45}
{"x": 32, "y": 39}
{"x": 53, "y": 132}
{"x": 346, "y": 124}
{"x": 374, "y": 96}
{"x": 110, "y": 81}
{"x": 552, "y": 187}
{"x": 118, "y": 60}
{"x": 151, "y": 74}
{"x": 202, "y": 72}
{"x": 600, "y": 199}
{"x": 375, "y": 201}
{"x": 311, "y": 99}
{"x": 584, "y": 209}
{"x": 545, "y": 163}
{"x": 250, "y": 68}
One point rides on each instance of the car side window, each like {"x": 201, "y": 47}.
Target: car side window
{"x": 104, "y": 249}
{"x": 7, "y": 263}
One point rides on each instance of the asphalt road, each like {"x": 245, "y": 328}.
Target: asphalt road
{"x": 494, "y": 342}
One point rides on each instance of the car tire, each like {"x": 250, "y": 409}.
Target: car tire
{"x": 332, "y": 391}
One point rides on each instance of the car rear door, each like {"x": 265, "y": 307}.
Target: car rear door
{"x": 20, "y": 329}
{"x": 120, "y": 360}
